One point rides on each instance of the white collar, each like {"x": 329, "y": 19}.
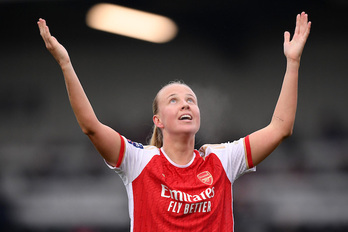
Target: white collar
{"x": 178, "y": 165}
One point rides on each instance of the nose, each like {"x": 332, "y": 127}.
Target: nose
{"x": 185, "y": 106}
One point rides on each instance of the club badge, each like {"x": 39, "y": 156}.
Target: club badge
{"x": 205, "y": 177}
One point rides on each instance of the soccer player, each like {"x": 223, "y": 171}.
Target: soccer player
{"x": 170, "y": 185}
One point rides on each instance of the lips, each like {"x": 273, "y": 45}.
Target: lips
{"x": 185, "y": 117}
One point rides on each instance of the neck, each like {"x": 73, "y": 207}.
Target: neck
{"x": 180, "y": 150}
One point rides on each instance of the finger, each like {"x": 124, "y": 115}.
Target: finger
{"x": 40, "y": 23}
{"x": 308, "y": 29}
{"x": 306, "y": 26}
{"x": 286, "y": 37}
{"x": 297, "y": 28}
{"x": 45, "y": 31}
{"x": 45, "y": 34}
{"x": 42, "y": 27}
{"x": 303, "y": 22}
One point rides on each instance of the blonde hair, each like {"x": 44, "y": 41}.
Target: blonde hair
{"x": 157, "y": 136}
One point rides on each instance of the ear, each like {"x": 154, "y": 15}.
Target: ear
{"x": 157, "y": 121}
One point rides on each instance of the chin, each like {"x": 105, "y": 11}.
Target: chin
{"x": 191, "y": 131}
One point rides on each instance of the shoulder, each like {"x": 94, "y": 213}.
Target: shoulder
{"x": 206, "y": 149}
{"x": 135, "y": 152}
{"x": 135, "y": 146}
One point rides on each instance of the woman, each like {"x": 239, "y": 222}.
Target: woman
{"x": 170, "y": 185}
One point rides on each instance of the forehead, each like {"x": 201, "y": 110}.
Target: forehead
{"x": 175, "y": 89}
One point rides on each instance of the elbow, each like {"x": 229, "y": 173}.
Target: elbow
{"x": 89, "y": 124}
{"x": 284, "y": 128}
{"x": 287, "y": 133}
{"x": 283, "y": 131}
{"x": 291, "y": 132}
{"x": 89, "y": 129}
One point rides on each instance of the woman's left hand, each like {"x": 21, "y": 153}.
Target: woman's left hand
{"x": 293, "y": 49}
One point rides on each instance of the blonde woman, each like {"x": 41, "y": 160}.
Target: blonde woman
{"x": 170, "y": 185}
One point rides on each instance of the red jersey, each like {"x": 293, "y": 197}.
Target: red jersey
{"x": 164, "y": 196}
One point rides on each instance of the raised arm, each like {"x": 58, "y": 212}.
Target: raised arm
{"x": 264, "y": 141}
{"x": 106, "y": 140}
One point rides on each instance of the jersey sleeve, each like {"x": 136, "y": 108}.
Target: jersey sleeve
{"x": 132, "y": 159}
{"x": 235, "y": 157}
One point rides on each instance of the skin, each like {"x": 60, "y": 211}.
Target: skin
{"x": 264, "y": 141}
{"x": 176, "y": 100}
{"x": 105, "y": 139}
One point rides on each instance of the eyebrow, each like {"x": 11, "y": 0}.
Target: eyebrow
{"x": 174, "y": 94}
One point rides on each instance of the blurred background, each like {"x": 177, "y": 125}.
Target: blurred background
{"x": 230, "y": 52}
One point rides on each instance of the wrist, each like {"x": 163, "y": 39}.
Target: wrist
{"x": 293, "y": 63}
{"x": 65, "y": 64}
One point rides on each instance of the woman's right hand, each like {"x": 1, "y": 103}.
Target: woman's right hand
{"x": 53, "y": 46}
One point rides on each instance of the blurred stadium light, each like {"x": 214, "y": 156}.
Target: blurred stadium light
{"x": 130, "y": 22}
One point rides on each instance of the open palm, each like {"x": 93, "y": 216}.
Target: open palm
{"x": 53, "y": 46}
{"x": 293, "y": 48}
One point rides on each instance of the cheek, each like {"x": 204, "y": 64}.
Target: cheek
{"x": 197, "y": 115}
{"x": 167, "y": 115}
{"x": 197, "y": 112}
{"x": 199, "y": 121}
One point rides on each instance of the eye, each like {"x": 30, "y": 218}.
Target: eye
{"x": 173, "y": 100}
{"x": 190, "y": 100}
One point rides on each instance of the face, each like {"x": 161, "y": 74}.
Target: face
{"x": 178, "y": 110}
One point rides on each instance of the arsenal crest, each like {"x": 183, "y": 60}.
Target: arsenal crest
{"x": 205, "y": 177}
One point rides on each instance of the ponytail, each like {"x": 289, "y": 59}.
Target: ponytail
{"x": 157, "y": 137}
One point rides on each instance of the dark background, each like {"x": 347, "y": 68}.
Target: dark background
{"x": 229, "y": 52}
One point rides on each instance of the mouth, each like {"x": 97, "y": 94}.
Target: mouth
{"x": 185, "y": 117}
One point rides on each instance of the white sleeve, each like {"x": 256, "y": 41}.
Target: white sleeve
{"x": 233, "y": 156}
{"x": 133, "y": 159}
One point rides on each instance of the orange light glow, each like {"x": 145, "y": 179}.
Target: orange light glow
{"x": 132, "y": 23}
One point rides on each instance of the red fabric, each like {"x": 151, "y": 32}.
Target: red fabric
{"x": 248, "y": 152}
{"x": 120, "y": 157}
{"x": 169, "y": 198}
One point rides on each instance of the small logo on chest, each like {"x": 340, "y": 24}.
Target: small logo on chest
{"x": 205, "y": 177}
